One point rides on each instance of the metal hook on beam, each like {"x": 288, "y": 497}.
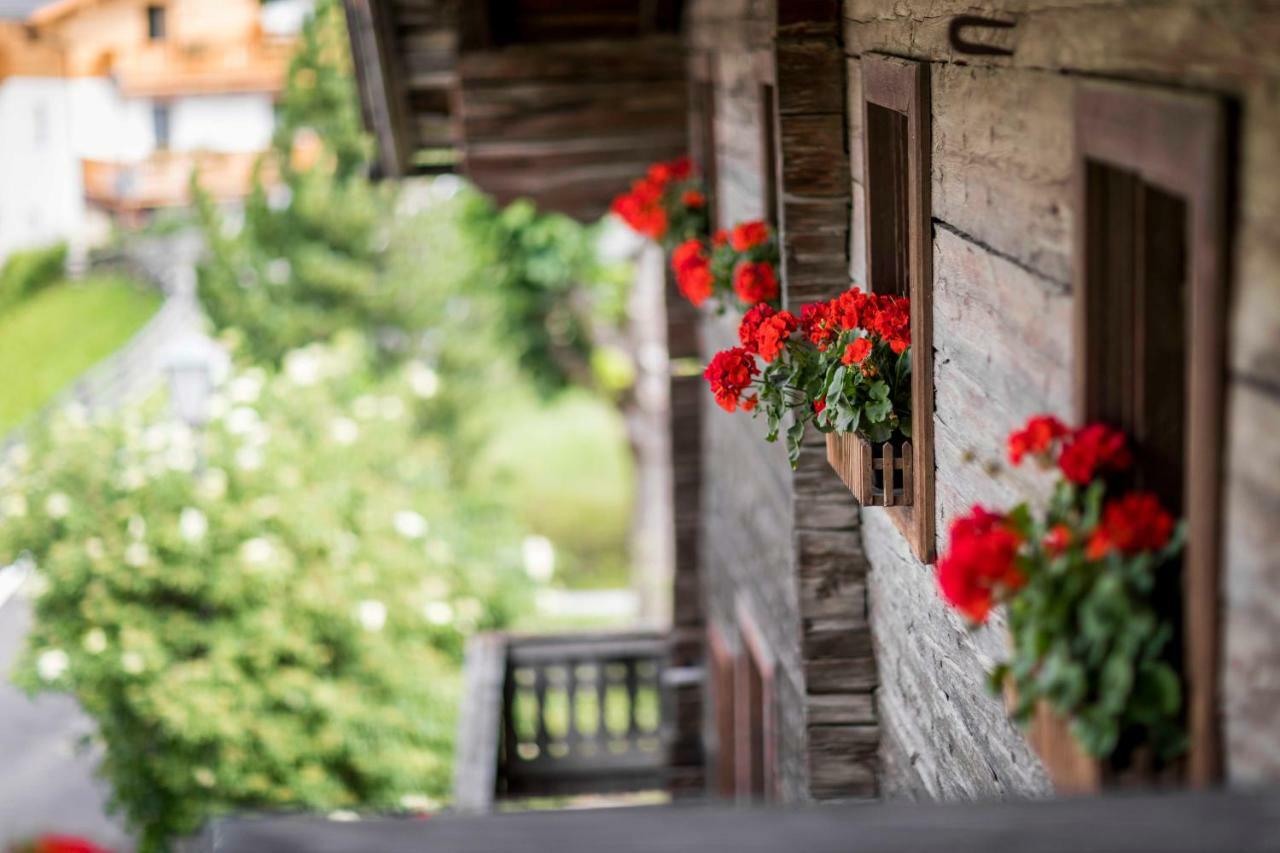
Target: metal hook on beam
{"x": 962, "y": 45}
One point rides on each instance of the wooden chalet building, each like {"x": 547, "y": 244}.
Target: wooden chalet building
{"x": 1082, "y": 200}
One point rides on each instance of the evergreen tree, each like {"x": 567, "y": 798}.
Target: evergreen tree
{"x": 307, "y": 260}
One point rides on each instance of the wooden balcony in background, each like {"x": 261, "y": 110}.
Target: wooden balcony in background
{"x": 163, "y": 179}
{"x": 563, "y": 715}
{"x": 170, "y": 69}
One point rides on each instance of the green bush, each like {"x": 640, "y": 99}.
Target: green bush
{"x": 271, "y": 612}
{"x": 29, "y": 271}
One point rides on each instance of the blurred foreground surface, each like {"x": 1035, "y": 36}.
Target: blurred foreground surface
{"x": 1181, "y": 823}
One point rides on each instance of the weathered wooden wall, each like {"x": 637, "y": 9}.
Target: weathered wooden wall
{"x": 1002, "y": 206}
{"x": 782, "y": 548}
{"x": 570, "y": 124}
{"x": 746, "y": 538}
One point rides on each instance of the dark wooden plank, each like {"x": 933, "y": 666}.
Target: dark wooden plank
{"x": 1241, "y": 822}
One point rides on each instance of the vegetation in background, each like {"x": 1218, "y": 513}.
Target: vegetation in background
{"x": 576, "y": 489}
{"x": 559, "y": 299}
{"x": 267, "y": 613}
{"x": 29, "y": 271}
{"x": 72, "y": 326}
{"x": 308, "y": 259}
{"x": 271, "y": 613}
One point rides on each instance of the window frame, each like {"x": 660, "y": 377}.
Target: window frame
{"x": 1178, "y": 143}
{"x": 902, "y": 86}
{"x": 157, "y": 22}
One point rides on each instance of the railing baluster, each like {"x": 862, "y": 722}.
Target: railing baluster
{"x": 633, "y": 696}
{"x": 602, "y": 692}
{"x": 540, "y": 696}
{"x": 572, "y": 736}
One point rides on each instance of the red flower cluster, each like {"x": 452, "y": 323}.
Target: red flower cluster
{"x": 730, "y": 373}
{"x": 980, "y": 563}
{"x": 1036, "y": 438}
{"x": 889, "y": 317}
{"x": 1094, "y": 449}
{"x": 1086, "y": 453}
{"x": 692, "y": 268}
{"x": 747, "y": 235}
{"x": 642, "y": 206}
{"x": 755, "y": 281}
{"x": 65, "y": 844}
{"x": 857, "y": 351}
{"x": 764, "y": 331}
{"x": 1130, "y": 524}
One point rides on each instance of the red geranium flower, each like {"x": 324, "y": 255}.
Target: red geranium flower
{"x": 1131, "y": 524}
{"x": 1057, "y": 540}
{"x": 773, "y": 334}
{"x": 747, "y": 235}
{"x": 858, "y": 350}
{"x": 980, "y": 563}
{"x": 848, "y": 309}
{"x": 66, "y": 844}
{"x": 892, "y": 322}
{"x": 749, "y": 328}
{"x": 1036, "y": 438}
{"x": 754, "y": 281}
{"x": 818, "y": 323}
{"x": 719, "y": 237}
{"x": 692, "y": 269}
{"x": 693, "y": 198}
{"x": 819, "y": 404}
{"x": 1093, "y": 450}
{"x": 729, "y": 374}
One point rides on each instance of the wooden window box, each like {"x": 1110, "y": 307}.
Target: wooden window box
{"x": 863, "y": 466}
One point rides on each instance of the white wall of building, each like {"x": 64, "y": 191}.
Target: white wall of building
{"x": 110, "y": 126}
{"x": 223, "y": 123}
{"x": 41, "y": 194}
{"x": 107, "y": 126}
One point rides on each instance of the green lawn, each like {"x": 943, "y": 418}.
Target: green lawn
{"x": 53, "y": 337}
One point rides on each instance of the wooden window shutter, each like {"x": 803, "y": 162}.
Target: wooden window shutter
{"x": 1150, "y": 242}
{"x": 896, "y": 143}
{"x": 703, "y": 132}
{"x": 754, "y": 715}
{"x": 769, "y": 151}
{"x": 721, "y": 692}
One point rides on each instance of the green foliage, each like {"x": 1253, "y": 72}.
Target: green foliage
{"x": 874, "y": 402}
{"x": 1089, "y": 638}
{"x": 29, "y": 271}
{"x": 555, "y": 291}
{"x": 89, "y": 320}
{"x": 581, "y": 471}
{"x": 319, "y": 99}
{"x": 307, "y": 260}
{"x": 269, "y": 613}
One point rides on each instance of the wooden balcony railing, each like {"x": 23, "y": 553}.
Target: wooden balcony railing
{"x": 562, "y": 715}
{"x": 164, "y": 179}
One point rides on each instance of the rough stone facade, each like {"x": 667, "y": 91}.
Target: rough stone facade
{"x": 1002, "y": 249}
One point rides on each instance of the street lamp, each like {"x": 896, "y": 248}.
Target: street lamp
{"x": 193, "y": 365}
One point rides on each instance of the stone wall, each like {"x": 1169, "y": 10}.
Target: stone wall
{"x": 1003, "y": 206}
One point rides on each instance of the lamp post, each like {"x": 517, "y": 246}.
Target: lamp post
{"x": 193, "y": 365}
